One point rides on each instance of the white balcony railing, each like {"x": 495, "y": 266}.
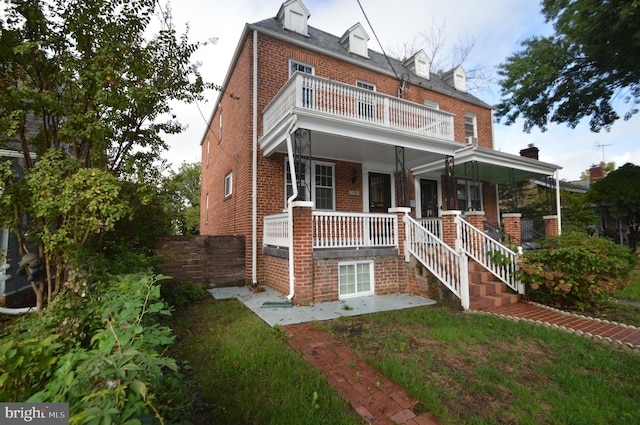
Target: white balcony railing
{"x": 342, "y": 100}
{"x": 335, "y": 230}
{"x": 354, "y": 230}
{"x": 276, "y": 230}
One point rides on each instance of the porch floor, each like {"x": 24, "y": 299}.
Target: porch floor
{"x": 318, "y": 312}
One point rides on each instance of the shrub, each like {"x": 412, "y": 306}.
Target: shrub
{"x": 119, "y": 374}
{"x": 579, "y": 272}
{"x": 181, "y": 294}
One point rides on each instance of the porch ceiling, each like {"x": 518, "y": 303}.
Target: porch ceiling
{"x": 493, "y": 166}
{"x": 355, "y": 141}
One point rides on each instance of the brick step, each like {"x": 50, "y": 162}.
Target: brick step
{"x": 497, "y": 300}
{"x": 481, "y": 289}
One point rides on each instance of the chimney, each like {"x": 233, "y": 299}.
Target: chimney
{"x": 530, "y": 152}
{"x": 596, "y": 173}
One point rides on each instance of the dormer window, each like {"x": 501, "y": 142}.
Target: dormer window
{"x": 419, "y": 64}
{"x": 456, "y": 78}
{"x": 294, "y": 16}
{"x": 355, "y": 40}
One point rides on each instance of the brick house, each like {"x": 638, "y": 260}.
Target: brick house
{"x": 350, "y": 173}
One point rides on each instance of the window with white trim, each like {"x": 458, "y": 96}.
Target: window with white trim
{"x": 431, "y": 104}
{"x": 366, "y": 103}
{"x": 355, "y": 279}
{"x": 228, "y": 184}
{"x": 206, "y": 210}
{"x": 307, "y": 88}
{"x": 324, "y": 188}
{"x": 470, "y": 125}
{"x": 469, "y": 195}
{"x": 220, "y": 128}
{"x": 208, "y": 151}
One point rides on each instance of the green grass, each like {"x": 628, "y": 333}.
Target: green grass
{"x": 475, "y": 369}
{"x": 631, "y": 291}
{"x": 248, "y": 374}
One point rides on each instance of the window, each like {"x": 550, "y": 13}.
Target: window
{"x": 431, "y": 104}
{"x": 469, "y": 196}
{"x": 470, "y": 125}
{"x": 220, "y": 128}
{"x": 307, "y": 88}
{"x": 228, "y": 184}
{"x": 355, "y": 279}
{"x": 322, "y": 193}
{"x": 366, "y": 103}
{"x": 206, "y": 210}
{"x": 208, "y": 151}
{"x": 324, "y": 187}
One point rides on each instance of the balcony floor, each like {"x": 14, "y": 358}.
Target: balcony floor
{"x": 320, "y": 311}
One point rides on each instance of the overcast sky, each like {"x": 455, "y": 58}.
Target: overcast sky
{"x": 497, "y": 26}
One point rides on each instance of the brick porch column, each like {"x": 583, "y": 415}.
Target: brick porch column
{"x": 303, "y": 252}
{"x": 449, "y": 230}
{"x": 512, "y": 228}
{"x": 402, "y": 228}
{"x": 551, "y": 225}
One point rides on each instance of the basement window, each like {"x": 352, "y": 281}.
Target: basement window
{"x": 355, "y": 279}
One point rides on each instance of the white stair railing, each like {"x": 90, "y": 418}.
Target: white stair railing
{"x": 449, "y": 266}
{"x": 501, "y": 261}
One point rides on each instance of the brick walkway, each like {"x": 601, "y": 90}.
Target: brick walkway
{"x": 380, "y": 401}
{"x": 375, "y": 398}
{"x": 627, "y": 336}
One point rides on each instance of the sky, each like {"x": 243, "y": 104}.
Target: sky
{"x": 497, "y": 26}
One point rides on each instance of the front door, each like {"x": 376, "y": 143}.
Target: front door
{"x": 429, "y": 198}
{"x": 379, "y": 193}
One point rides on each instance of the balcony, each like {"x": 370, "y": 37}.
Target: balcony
{"x": 333, "y": 100}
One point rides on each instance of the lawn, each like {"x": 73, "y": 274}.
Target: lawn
{"x": 465, "y": 368}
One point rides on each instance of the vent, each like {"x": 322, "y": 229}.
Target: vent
{"x": 472, "y": 141}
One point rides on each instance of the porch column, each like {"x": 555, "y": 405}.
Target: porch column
{"x": 551, "y": 225}
{"x": 512, "y": 229}
{"x": 402, "y": 228}
{"x": 449, "y": 228}
{"x": 303, "y": 252}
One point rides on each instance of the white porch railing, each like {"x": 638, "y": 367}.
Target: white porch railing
{"x": 449, "y": 266}
{"x": 276, "y": 230}
{"x": 346, "y": 101}
{"x": 354, "y": 230}
{"x": 501, "y": 261}
{"x": 432, "y": 224}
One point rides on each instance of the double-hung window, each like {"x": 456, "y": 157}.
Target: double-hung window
{"x": 323, "y": 192}
{"x": 307, "y": 88}
{"x": 366, "y": 103}
{"x": 470, "y": 127}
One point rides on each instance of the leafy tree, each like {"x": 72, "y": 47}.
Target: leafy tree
{"x": 183, "y": 191}
{"x": 619, "y": 192}
{"x": 83, "y": 79}
{"x": 578, "y": 72}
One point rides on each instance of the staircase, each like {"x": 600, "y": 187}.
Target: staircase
{"x": 485, "y": 290}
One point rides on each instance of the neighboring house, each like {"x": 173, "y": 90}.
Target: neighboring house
{"x": 15, "y": 290}
{"x": 324, "y": 152}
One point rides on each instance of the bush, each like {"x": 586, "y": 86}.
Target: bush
{"x": 578, "y": 272}
{"x": 181, "y": 294}
{"x": 119, "y": 374}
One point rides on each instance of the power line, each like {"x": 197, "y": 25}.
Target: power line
{"x": 378, "y": 40}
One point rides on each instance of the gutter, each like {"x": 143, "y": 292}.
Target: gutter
{"x": 294, "y": 195}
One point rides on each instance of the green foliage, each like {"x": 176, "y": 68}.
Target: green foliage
{"x": 580, "y": 272}
{"x": 182, "y": 190}
{"x": 182, "y": 294}
{"x": 578, "y": 213}
{"x": 577, "y": 72}
{"x": 619, "y": 193}
{"x": 118, "y": 374}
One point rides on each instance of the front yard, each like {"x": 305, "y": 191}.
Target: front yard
{"x": 465, "y": 368}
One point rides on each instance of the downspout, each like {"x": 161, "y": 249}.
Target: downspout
{"x": 254, "y": 196}
{"x": 294, "y": 195}
{"x": 558, "y": 210}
